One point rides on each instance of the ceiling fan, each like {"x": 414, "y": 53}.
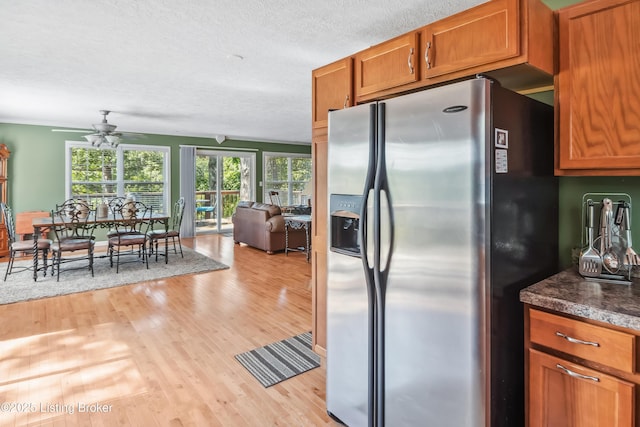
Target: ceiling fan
{"x": 104, "y": 133}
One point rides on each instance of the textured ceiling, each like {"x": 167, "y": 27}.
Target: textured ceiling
{"x": 168, "y": 67}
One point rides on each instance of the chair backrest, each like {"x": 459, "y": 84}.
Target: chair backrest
{"x": 7, "y": 215}
{"x": 177, "y": 214}
{"x": 274, "y": 197}
{"x": 115, "y": 203}
{"x": 132, "y": 217}
{"x": 71, "y": 220}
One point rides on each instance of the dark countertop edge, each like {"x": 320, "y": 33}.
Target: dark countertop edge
{"x": 570, "y": 303}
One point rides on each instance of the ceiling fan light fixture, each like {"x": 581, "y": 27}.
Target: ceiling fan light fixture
{"x": 93, "y": 139}
{"x": 113, "y": 140}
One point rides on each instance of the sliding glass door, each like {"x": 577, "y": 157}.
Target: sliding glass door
{"x": 222, "y": 179}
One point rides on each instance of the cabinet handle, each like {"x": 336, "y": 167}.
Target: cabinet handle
{"x": 577, "y": 375}
{"x": 426, "y": 55}
{"x": 576, "y": 341}
{"x": 410, "y": 62}
{"x": 346, "y": 101}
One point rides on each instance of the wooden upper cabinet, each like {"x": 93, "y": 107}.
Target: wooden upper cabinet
{"x": 598, "y": 89}
{"x": 332, "y": 89}
{"x": 387, "y": 65}
{"x": 483, "y": 34}
{"x": 490, "y": 37}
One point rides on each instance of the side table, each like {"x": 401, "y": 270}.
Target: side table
{"x": 297, "y": 222}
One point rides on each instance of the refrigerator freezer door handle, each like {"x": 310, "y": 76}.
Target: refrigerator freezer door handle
{"x": 368, "y": 270}
{"x": 380, "y": 274}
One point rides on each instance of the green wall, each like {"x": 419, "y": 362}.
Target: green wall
{"x": 36, "y": 166}
{"x": 36, "y": 171}
{"x": 573, "y": 188}
{"x": 570, "y": 204}
{"x": 570, "y": 216}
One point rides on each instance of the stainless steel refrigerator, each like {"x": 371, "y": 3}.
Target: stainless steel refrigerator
{"x": 443, "y": 205}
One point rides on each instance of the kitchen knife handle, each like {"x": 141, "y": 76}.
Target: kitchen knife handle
{"x": 577, "y": 375}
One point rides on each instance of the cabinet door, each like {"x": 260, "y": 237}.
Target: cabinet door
{"x": 319, "y": 245}
{"x": 332, "y": 89}
{"x": 486, "y": 33}
{"x": 598, "y": 86}
{"x": 564, "y": 394}
{"x": 387, "y": 65}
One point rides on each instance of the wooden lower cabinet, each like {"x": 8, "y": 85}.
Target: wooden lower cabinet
{"x": 566, "y": 394}
{"x": 580, "y": 372}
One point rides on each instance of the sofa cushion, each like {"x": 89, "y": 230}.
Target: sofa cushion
{"x": 245, "y": 203}
{"x": 272, "y": 209}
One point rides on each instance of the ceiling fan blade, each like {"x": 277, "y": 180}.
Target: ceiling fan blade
{"x": 72, "y": 130}
{"x": 132, "y": 135}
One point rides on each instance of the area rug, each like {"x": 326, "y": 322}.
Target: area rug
{"x": 282, "y": 360}
{"x": 21, "y": 287}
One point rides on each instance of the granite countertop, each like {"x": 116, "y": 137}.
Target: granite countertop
{"x": 568, "y": 292}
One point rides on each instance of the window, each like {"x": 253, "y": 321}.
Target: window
{"x": 289, "y": 175}
{"x": 140, "y": 170}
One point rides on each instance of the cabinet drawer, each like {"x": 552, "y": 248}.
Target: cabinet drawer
{"x": 597, "y": 344}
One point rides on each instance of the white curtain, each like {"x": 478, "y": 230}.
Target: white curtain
{"x": 188, "y": 190}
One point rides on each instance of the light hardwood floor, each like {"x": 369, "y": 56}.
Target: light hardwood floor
{"x": 162, "y": 352}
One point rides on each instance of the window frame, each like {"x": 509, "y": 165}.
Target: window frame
{"x": 119, "y": 181}
{"x": 289, "y": 181}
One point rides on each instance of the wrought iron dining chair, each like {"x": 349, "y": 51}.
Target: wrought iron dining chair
{"x": 73, "y": 232}
{"x": 173, "y": 232}
{"x": 132, "y": 222}
{"x": 113, "y": 205}
{"x": 17, "y": 246}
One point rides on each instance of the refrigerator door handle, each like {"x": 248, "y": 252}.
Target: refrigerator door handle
{"x": 369, "y": 184}
{"x": 372, "y": 317}
{"x": 381, "y": 187}
{"x": 380, "y": 274}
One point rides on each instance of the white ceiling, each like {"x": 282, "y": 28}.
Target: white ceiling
{"x": 168, "y": 67}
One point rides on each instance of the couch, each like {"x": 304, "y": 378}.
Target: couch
{"x": 261, "y": 226}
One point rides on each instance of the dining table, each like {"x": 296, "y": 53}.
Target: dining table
{"x": 98, "y": 221}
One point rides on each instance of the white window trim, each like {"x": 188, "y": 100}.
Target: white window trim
{"x": 120, "y": 160}
{"x": 279, "y": 154}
